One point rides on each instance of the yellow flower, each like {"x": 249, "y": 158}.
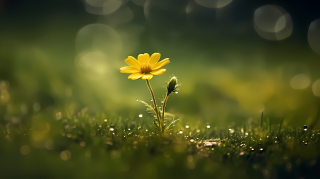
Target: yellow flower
{"x": 145, "y": 67}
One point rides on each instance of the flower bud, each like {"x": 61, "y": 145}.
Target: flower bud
{"x": 172, "y": 85}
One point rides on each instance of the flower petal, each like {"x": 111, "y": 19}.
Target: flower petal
{"x": 134, "y": 76}
{"x": 129, "y": 70}
{"x": 154, "y": 58}
{"x": 147, "y": 76}
{"x": 158, "y": 72}
{"x": 132, "y": 62}
{"x": 143, "y": 58}
{"x": 160, "y": 64}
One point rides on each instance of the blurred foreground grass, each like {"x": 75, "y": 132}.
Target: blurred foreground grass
{"x": 59, "y": 81}
{"x": 88, "y": 145}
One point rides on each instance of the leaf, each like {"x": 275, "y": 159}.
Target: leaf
{"x": 150, "y": 109}
{"x": 156, "y": 125}
{"x": 172, "y": 122}
{"x": 168, "y": 115}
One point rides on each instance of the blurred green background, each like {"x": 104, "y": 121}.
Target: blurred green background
{"x": 234, "y": 59}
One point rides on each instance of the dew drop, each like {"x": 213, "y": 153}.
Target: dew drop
{"x": 140, "y": 115}
{"x": 191, "y": 140}
{"x": 305, "y": 128}
{"x": 129, "y": 129}
{"x": 162, "y": 102}
{"x": 151, "y": 99}
{"x": 181, "y": 132}
{"x": 187, "y": 126}
{"x": 111, "y": 128}
{"x": 208, "y": 126}
{"x": 137, "y": 99}
{"x": 146, "y": 130}
{"x": 261, "y": 149}
{"x": 176, "y": 92}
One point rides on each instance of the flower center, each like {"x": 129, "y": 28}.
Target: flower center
{"x": 145, "y": 68}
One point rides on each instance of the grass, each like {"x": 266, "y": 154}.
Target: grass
{"x": 86, "y": 145}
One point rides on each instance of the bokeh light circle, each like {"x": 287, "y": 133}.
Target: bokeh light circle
{"x": 213, "y": 3}
{"x": 139, "y": 2}
{"x": 92, "y": 64}
{"x": 272, "y": 22}
{"x": 316, "y": 88}
{"x": 300, "y": 81}
{"x": 98, "y": 37}
{"x": 167, "y": 9}
{"x": 102, "y": 7}
{"x": 314, "y": 36}
{"x": 123, "y": 15}
{"x": 25, "y": 150}
{"x": 65, "y": 155}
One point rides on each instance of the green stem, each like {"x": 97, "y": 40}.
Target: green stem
{"x": 163, "y": 107}
{"x": 151, "y": 91}
{"x": 154, "y": 102}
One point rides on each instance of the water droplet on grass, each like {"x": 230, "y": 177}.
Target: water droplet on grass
{"x": 176, "y": 92}
{"x": 187, "y": 126}
{"x": 137, "y": 99}
{"x": 111, "y": 128}
{"x": 208, "y": 126}
{"x": 140, "y": 115}
{"x": 231, "y": 130}
{"x": 181, "y": 132}
{"x": 305, "y": 128}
